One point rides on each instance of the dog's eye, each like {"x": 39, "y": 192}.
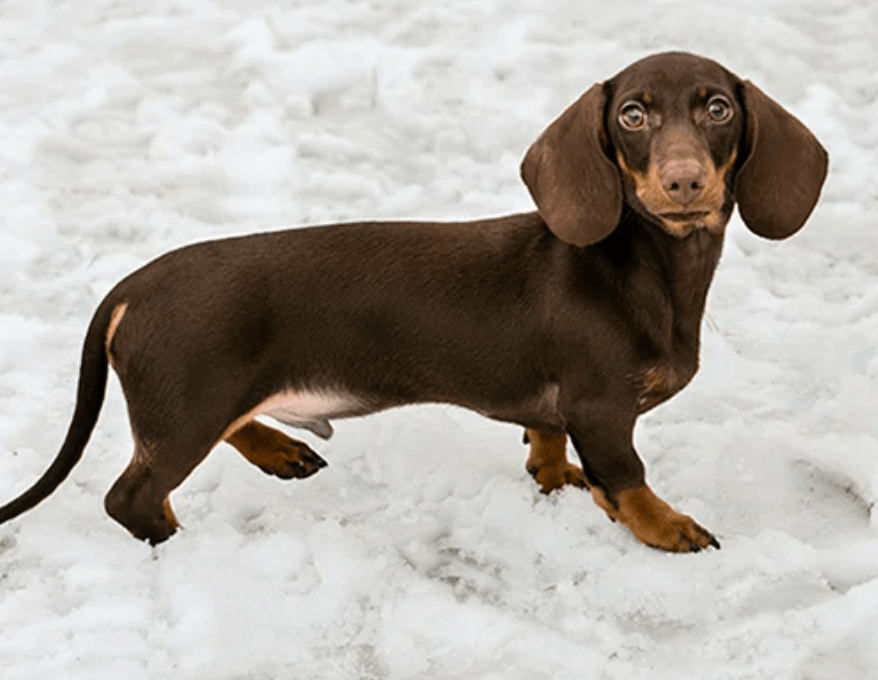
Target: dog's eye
{"x": 632, "y": 116}
{"x": 719, "y": 109}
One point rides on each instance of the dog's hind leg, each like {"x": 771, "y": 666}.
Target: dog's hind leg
{"x": 275, "y": 453}
{"x": 139, "y": 499}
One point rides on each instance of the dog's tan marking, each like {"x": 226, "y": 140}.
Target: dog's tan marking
{"x": 657, "y": 379}
{"x": 169, "y": 513}
{"x": 274, "y": 452}
{"x": 653, "y": 521}
{"x": 256, "y": 443}
{"x": 115, "y": 319}
{"x": 715, "y": 222}
{"x": 649, "y": 190}
{"x": 702, "y": 92}
{"x": 657, "y": 384}
{"x": 548, "y": 463}
{"x": 647, "y": 98}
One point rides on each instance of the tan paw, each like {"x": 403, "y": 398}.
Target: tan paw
{"x": 275, "y": 453}
{"x": 552, "y": 477}
{"x": 654, "y": 522}
{"x": 547, "y": 462}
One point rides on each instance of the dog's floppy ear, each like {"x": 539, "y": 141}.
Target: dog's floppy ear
{"x": 778, "y": 184}
{"x": 577, "y": 189}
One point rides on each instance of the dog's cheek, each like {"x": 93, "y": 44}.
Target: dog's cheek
{"x": 721, "y": 140}
{"x": 630, "y": 189}
{"x": 633, "y": 180}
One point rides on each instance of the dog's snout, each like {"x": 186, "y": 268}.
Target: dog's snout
{"x": 683, "y": 180}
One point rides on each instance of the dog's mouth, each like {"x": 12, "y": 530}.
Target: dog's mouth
{"x": 685, "y": 217}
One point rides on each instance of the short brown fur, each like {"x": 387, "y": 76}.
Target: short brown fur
{"x": 570, "y": 321}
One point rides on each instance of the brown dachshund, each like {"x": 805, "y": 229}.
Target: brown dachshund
{"x": 570, "y": 321}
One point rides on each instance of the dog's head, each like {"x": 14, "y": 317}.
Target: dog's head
{"x": 679, "y": 139}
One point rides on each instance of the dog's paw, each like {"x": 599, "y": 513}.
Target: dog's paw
{"x": 274, "y": 452}
{"x": 547, "y": 462}
{"x": 681, "y": 534}
{"x": 654, "y": 522}
{"x": 294, "y": 460}
{"x": 551, "y": 477}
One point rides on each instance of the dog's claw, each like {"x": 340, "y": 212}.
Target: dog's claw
{"x": 696, "y": 548}
{"x": 711, "y": 539}
{"x": 702, "y": 541}
{"x": 299, "y": 463}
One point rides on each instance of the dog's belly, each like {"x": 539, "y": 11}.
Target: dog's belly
{"x": 312, "y": 410}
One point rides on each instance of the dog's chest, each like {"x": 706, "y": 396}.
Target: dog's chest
{"x": 660, "y": 382}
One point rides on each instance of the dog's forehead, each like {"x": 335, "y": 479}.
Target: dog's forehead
{"x": 676, "y": 73}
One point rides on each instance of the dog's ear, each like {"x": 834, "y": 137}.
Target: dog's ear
{"x": 577, "y": 189}
{"x": 779, "y": 181}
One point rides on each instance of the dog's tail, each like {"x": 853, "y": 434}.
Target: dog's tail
{"x": 89, "y": 399}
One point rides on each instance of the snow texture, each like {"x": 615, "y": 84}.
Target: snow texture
{"x": 425, "y": 551}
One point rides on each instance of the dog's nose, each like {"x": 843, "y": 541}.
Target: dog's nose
{"x": 683, "y": 180}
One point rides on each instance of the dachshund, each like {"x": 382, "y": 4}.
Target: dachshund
{"x": 569, "y": 321}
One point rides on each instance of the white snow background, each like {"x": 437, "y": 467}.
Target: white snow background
{"x": 424, "y": 550}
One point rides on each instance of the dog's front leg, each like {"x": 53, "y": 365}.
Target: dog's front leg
{"x": 602, "y": 438}
{"x": 547, "y": 462}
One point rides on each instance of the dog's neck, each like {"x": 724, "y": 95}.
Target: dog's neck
{"x": 680, "y": 271}
{"x": 690, "y": 263}
{"x": 684, "y": 265}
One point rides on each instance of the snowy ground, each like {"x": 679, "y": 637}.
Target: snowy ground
{"x": 424, "y": 550}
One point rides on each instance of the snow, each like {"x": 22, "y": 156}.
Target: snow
{"x": 425, "y": 550}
